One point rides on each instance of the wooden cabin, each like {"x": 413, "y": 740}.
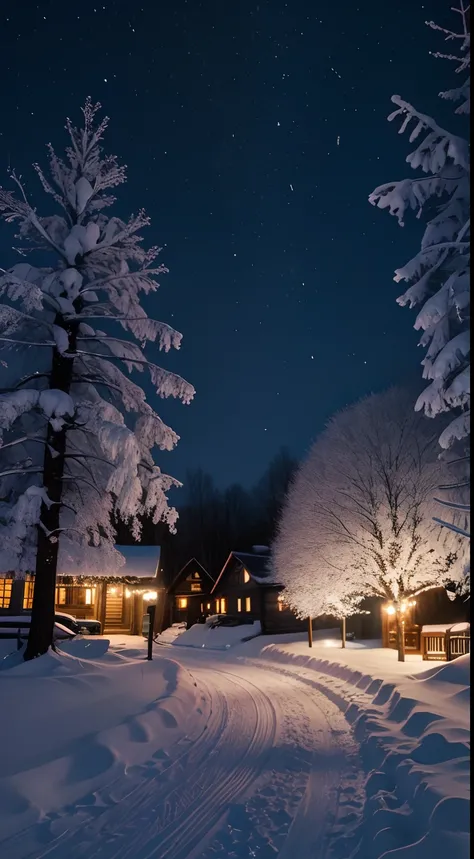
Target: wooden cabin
{"x": 188, "y": 595}
{"x": 244, "y": 586}
{"x": 118, "y": 602}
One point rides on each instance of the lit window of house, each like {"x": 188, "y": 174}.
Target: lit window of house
{"x": 182, "y": 602}
{"x": 246, "y": 576}
{"x": 5, "y": 592}
{"x": 248, "y": 604}
{"x": 28, "y": 593}
{"x": 281, "y": 604}
{"x": 223, "y": 605}
{"x": 60, "y": 595}
{"x": 195, "y": 586}
{"x": 90, "y": 596}
{"x": 239, "y": 604}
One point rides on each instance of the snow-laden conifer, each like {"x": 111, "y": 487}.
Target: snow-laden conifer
{"x": 438, "y": 276}
{"x": 77, "y": 434}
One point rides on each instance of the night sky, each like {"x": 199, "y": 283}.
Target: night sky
{"x": 253, "y": 134}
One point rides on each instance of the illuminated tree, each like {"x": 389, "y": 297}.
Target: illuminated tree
{"x": 358, "y": 518}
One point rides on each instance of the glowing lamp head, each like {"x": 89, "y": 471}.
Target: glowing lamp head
{"x": 150, "y": 595}
{"x": 390, "y": 609}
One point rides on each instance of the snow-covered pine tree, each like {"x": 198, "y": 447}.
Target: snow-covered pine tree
{"x": 439, "y": 275}
{"x": 68, "y": 457}
{"x": 358, "y": 517}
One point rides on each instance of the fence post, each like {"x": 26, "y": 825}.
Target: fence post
{"x": 310, "y": 631}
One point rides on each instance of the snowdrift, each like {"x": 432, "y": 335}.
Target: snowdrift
{"x": 414, "y": 732}
{"x": 80, "y": 723}
{"x": 168, "y": 636}
{"x": 221, "y": 638}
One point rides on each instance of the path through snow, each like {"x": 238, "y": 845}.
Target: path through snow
{"x": 268, "y": 774}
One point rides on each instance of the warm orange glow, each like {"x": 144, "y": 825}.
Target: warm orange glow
{"x": 182, "y": 602}
{"x": 248, "y": 604}
{"x": 149, "y": 596}
{"x": 239, "y": 604}
{"x": 28, "y": 593}
{"x": 223, "y": 606}
{"x": 5, "y": 592}
{"x": 246, "y": 576}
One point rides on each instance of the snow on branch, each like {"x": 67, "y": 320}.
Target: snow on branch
{"x": 72, "y": 406}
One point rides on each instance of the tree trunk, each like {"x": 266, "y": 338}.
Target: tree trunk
{"x": 400, "y": 636}
{"x": 343, "y": 632}
{"x": 310, "y": 631}
{"x": 40, "y": 636}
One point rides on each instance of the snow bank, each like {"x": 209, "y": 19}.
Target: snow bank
{"x": 413, "y": 727}
{"x": 168, "y": 636}
{"x": 80, "y": 723}
{"x": 221, "y": 638}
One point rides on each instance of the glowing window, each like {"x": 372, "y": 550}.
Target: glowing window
{"x": 281, "y": 604}
{"x": 182, "y": 602}
{"x": 248, "y": 604}
{"x": 223, "y": 608}
{"x": 28, "y": 593}
{"x": 5, "y": 592}
{"x": 208, "y": 605}
{"x": 195, "y": 586}
{"x": 239, "y": 604}
{"x": 90, "y": 594}
{"x": 246, "y": 576}
{"x": 60, "y": 595}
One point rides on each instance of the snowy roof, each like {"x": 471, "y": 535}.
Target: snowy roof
{"x": 258, "y": 566}
{"x": 140, "y": 561}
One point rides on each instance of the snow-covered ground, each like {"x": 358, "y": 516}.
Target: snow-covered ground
{"x": 262, "y": 750}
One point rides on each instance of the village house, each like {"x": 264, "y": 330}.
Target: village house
{"x": 118, "y": 602}
{"x": 188, "y": 595}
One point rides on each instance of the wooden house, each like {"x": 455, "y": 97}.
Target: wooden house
{"x": 118, "y": 602}
{"x": 244, "y": 586}
{"x": 188, "y": 595}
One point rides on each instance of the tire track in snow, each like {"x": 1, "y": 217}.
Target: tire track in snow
{"x": 160, "y": 817}
{"x": 291, "y": 811}
{"x": 128, "y": 789}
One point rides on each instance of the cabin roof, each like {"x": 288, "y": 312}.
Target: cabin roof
{"x": 258, "y": 567}
{"x": 193, "y": 563}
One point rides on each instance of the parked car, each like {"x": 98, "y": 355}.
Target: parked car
{"x": 12, "y": 627}
{"x": 216, "y": 620}
{"x": 85, "y": 626}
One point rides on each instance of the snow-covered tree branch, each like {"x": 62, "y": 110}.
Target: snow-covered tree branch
{"x": 68, "y": 459}
{"x": 438, "y": 277}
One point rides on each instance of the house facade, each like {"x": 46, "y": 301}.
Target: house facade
{"x": 188, "y": 595}
{"x": 244, "y": 586}
{"x": 118, "y": 602}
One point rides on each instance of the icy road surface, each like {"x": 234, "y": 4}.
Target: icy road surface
{"x": 273, "y": 773}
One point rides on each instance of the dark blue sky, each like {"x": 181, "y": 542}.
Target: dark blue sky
{"x": 253, "y": 134}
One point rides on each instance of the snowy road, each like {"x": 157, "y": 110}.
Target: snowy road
{"x": 271, "y": 772}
